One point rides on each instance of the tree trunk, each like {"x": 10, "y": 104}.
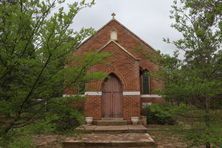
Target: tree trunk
{"x": 207, "y": 118}
{"x": 207, "y": 145}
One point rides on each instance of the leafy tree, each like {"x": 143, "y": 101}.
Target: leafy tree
{"x": 197, "y": 78}
{"x": 36, "y": 41}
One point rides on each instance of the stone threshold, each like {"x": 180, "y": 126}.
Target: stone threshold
{"x": 112, "y": 129}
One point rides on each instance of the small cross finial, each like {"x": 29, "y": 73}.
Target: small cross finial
{"x": 113, "y": 15}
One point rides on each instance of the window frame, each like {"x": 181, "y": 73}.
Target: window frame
{"x": 142, "y": 84}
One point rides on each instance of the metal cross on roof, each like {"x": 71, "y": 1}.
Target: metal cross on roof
{"x": 113, "y": 15}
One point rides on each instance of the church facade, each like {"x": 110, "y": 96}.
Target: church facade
{"x": 129, "y": 84}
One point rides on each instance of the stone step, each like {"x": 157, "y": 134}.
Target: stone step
{"x": 107, "y": 122}
{"x": 126, "y": 140}
{"x": 112, "y": 129}
{"x": 112, "y": 118}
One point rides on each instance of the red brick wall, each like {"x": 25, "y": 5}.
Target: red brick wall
{"x": 152, "y": 100}
{"x": 93, "y": 107}
{"x": 131, "y": 106}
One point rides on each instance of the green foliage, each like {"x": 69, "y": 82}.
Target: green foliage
{"x": 16, "y": 141}
{"x": 159, "y": 115}
{"x": 36, "y": 43}
{"x": 54, "y": 123}
{"x": 42, "y": 126}
{"x": 196, "y": 79}
{"x": 77, "y": 72}
{"x": 200, "y": 136}
{"x": 163, "y": 113}
{"x": 21, "y": 142}
{"x": 195, "y": 131}
{"x": 67, "y": 117}
{"x": 60, "y": 118}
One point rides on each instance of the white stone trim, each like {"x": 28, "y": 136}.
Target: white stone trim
{"x": 93, "y": 93}
{"x": 131, "y": 93}
{"x": 151, "y": 96}
{"x": 65, "y": 95}
{"x": 125, "y": 93}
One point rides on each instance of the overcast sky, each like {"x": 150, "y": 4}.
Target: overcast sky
{"x": 149, "y": 19}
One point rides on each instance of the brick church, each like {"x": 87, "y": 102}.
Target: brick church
{"x": 129, "y": 85}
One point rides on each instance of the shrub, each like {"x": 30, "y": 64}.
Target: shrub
{"x": 157, "y": 114}
{"x": 163, "y": 113}
{"x": 61, "y": 117}
{"x": 68, "y": 116}
{"x": 68, "y": 121}
{"x": 43, "y": 126}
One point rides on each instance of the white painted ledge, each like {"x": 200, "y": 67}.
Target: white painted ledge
{"x": 125, "y": 93}
{"x": 151, "y": 96}
{"x": 131, "y": 93}
{"x": 65, "y": 95}
{"x": 93, "y": 93}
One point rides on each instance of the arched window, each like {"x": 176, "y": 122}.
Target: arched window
{"x": 145, "y": 82}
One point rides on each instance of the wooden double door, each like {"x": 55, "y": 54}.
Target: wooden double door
{"x": 112, "y": 97}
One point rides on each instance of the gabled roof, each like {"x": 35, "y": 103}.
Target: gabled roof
{"x": 133, "y": 34}
{"x": 121, "y": 47}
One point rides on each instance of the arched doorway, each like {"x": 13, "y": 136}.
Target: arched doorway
{"x": 112, "y": 97}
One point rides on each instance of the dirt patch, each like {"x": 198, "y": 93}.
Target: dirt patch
{"x": 165, "y": 138}
{"x": 48, "y": 141}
